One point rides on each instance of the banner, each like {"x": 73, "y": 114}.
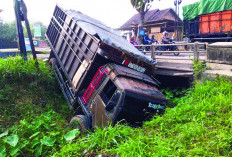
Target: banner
{"x": 27, "y": 44}
{"x": 37, "y": 30}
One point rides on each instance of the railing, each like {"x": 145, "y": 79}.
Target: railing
{"x": 193, "y": 48}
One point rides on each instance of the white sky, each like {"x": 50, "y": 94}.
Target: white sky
{"x": 113, "y": 13}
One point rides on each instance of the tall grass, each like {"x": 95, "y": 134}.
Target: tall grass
{"x": 200, "y": 125}
{"x": 13, "y": 70}
{"x": 34, "y": 120}
{"x": 33, "y": 111}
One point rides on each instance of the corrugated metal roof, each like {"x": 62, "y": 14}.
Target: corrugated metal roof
{"x": 152, "y": 15}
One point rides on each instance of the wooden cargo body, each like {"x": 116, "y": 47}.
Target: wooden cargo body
{"x": 80, "y": 54}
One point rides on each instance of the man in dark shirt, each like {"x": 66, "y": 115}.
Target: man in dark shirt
{"x": 146, "y": 39}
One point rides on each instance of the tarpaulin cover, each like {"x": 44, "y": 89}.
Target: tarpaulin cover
{"x": 205, "y": 7}
{"x": 107, "y": 35}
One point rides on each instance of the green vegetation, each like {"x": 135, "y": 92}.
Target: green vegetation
{"x": 42, "y": 27}
{"x": 8, "y": 38}
{"x": 199, "y": 68}
{"x": 200, "y": 125}
{"x": 33, "y": 112}
{"x": 8, "y": 35}
{"x": 34, "y": 120}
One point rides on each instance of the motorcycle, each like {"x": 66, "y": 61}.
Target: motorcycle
{"x": 148, "y": 48}
{"x": 168, "y": 48}
{"x": 135, "y": 43}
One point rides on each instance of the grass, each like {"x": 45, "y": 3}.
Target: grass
{"x": 199, "y": 67}
{"x": 33, "y": 112}
{"x": 34, "y": 120}
{"x": 200, "y": 125}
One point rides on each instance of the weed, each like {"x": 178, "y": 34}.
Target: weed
{"x": 33, "y": 111}
{"x": 199, "y": 68}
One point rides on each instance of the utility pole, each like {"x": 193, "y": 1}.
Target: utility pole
{"x": 21, "y": 15}
{"x": 177, "y": 4}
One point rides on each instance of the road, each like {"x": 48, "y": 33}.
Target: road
{"x": 13, "y": 52}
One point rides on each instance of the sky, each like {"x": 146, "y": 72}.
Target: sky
{"x": 113, "y": 13}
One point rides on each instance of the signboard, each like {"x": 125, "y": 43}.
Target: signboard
{"x": 36, "y": 43}
{"x": 27, "y": 44}
{"x": 141, "y": 32}
{"x": 37, "y": 30}
{"x": 155, "y": 30}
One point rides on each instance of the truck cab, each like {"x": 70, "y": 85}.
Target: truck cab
{"x": 118, "y": 94}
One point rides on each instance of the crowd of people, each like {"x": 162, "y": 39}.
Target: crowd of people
{"x": 145, "y": 40}
{"x": 148, "y": 41}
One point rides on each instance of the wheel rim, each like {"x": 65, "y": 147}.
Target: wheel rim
{"x": 77, "y": 123}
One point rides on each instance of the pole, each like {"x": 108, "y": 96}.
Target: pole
{"x": 179, "y": 2}
{"x": 24, "y": 9}
{"x": 19, "y": 30}
{"x": 177, "y": 30}
{"x": 153, "y": 51}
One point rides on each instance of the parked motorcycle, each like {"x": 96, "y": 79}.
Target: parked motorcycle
{"x": 168, "y": 48}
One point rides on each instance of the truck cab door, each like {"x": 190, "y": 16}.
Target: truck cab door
{"x": 107, "y": 100}
{"x": 89, "y": 97}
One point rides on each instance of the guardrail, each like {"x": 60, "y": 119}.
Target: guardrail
{"x": 193, "y": 48}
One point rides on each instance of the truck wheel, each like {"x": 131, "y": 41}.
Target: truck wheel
{"x": 79, "y": 122}
{"x": 52, "y": 62}
{"x": 176, "y": 49}
{"x": 159, "y": 49}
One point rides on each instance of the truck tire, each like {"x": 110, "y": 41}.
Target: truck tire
{"x": 79, "y": 122}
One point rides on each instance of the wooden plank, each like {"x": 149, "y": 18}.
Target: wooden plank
{"x": 175, "y": 65}
{"x": 174, "y": 68}
{"x": 173, "y": 73}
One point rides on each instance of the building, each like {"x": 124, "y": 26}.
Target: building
{"x": 155, "y": 22}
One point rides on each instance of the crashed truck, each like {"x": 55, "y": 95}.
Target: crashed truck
{"x": 103, "y": 77}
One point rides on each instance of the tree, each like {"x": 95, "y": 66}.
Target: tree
{"x": 43, "y": 30}
{"x": 8, "y": 35}
{"x": 142, "y": 6}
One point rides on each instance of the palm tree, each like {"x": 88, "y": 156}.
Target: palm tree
{"x": 142, "y": 6}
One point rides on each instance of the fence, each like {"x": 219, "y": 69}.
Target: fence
{"x": 195, "y": 48}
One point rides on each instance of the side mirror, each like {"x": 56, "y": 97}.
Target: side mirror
{"x": 110, "y": 106}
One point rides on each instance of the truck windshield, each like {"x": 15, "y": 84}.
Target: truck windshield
{"x": 137, "y": 108}
{"x": 111, "y": 106}
{"x": 108, "y": 92}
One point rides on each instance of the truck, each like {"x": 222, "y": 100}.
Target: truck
{"x": 103, "y": 77}
{"x": 208, "y": 21}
